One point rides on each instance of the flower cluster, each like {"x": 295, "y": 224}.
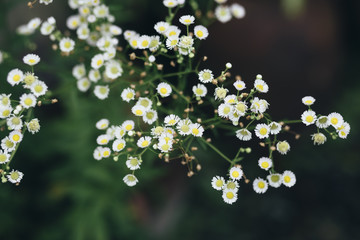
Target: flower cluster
{"x": 17, "y": 114}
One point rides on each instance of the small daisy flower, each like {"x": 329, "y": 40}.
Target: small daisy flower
{"x": 336, "y": 120}
{"x": 119, "y": 132}
{"x": 323, "y": 122}
{"x": 101, "y": 11}
{"x": 144, "y": 42}
{"x": 218, "y": 183}
{"x": 154, "y": 45}
{"x": 260, "y": 185}
{"x": 15, "y": 136}
{"x": 243, "y": 134}
{"x": 237, "y": 11}
{"x": 145, "y": 102}
{"x": 150, "y": 116}
{"x": 183, "y": 127}
{"x": 151, "y": 58}
{"x": 4, "y": 157}
{"x": 220, "y": 93}
{"x": 308, "y": 117}
{"x": 236, "y": 173}
{"x": 118, "y": 145}
{"x": 138, "y": 110}
{"x": 39, "y": 88}
{"x": 97, "y": 61}
{"x": 170, "y": 3}
{"x": 83, "y": 84}
{"x": 47, "y": 28}
{"x": 94, "y": 75}
{"x": 115, "y": 30}
{"x": 34, "y": 23}
{"x": 33, "y": 126}
{"x": 308, "y": 100}
{"x": 239, "y": 85}
{"x": 173, "y": 31}
{"x": 161, "y": 27}
{"x": 164, "y": 146}
{"x": 288, "y": 178}
{"x": 196, "y": 130}
{"x": 265, "y": 163}
{"x": 224, "y": 110}
{"x": 105, "y": 152}
{"x": 232, "y": 185}
{"x": 275, "y": 128}
{"x": 130, "y": 180}
{"x": 14, "y": 123}
{"x": 172, "y": 42}
{"x": 343, "y": 133}
{"x": 187, "y": 20}
{"x": 164, "y": 89}
{"x": 103, "y": 139}
{"x": 66, "y": 45}
{"x": 133, "y": 163}
{"x": 274, "y": 180}
{"x": 7, "y": 145}
{"x": 15, "y": 176}
{"x": 261, "y": 86}
{"x": 31, "y": 59}
{"x": 171, "y": 120}
{"x": 29, "y": 80}
{"x": 344, "y": 130}
{"x": 230, "y": 99}
{"x": 240, "y": 108}
{"x": 5, "y": 100}
{"x": 223, "y": 13}
{"x": 102, "y": 124}
{"x": 28, "y": 100}
{"x": 318, "y": 138}
{"x": 134, "y": 42}
{"x": 79, "y": 71}
{"x": 206, "y": 76}
{"x": 113, "y": 69}
{"x": 262, "y": 131}
{"x": 199, "y": 90}
{"x": 157, "y": 131}
{"x": 128, "y": 94}
{"x": 128, "y": 125}
{"x": 15, "y": 76}
{"x": 259, "y": 105}
{"x": 101, "y": 92}
{"x": 229, "y": 196}
{"x": 201, "y": 32}
{"x": 283, "y": 147}
{"x": 97, "y": 153}
{"x": 5, "y": 112}
{"x": 144, "y": 142}
{"x": 73, "y": 22}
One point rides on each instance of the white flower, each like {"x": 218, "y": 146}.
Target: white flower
{"x": 206, "y": 76}
{"x": 67, "y": 45}
{"x": 240, "y": 108}
{"x": 151, "y": 58}
{"x": 128, "y": 125}
{"x": 172, "y": 31}
{"x": 14, "y": 123}
{"x": 34, "y": 23}
{"x": 164, "y": 89}
{"x": 33, "y": 126}
{"x": 150, "y": 116}
{"x": 154, "y": 45}
{"x": 265, "y": 163}
{"x": 243, "y": 134}
{"x": 46, "y": 2}
{"x": 39, "y": 88}
{"x": 323, "y": 122}
{"x": 224, "y": 110}
{"x": 47, "y": 28}
{"x": 83, "y": 32}
{"x": 145, "y": 102}
{"x": 15, "y": 136}
{"x": 259, "y": 105}
{"x": 130, "y": 180}
{"x": 262, "y": 131}
{"x": 275, "y": 128}
{"x": 308, "y": 100}
{"x": 183, "y": 127}
{"x": 28, "y": 100}
{"x": 15, "y": 176}
{"x": 113, "y": 69}
{"x": 105, "y": 152}
{"x": 196, "y": 129}
{"x": 171, "y": 120}
{"x": 102, "y": 124}
{"x": 83, "y": 84}
{"x": 5, "y": 100}
{"x": 344, "y": 130}
{"x": 134, "y": 42}
{"x": 119, "y": 132}
{"x": 260, "y": 185}
{"x": 103, "y": 139}
{"x": 5, "y": 111}
{"x": 7, "y": 145}
{"x": 237, "y": 10}
{"x": 239, "y": 85}
{"x": 115, "y": 30}
{"x": 170, "y": 3}
{"x": 218, "y": 183}
{"x": 73, "y": 22}
{"x": 144, "y": 42}
{"x": 199, "y": 90}
{"x": 138, "y": 110}
{"x": 172, "y": 42}
{"x": 101, "y": 92}
{"x": 336, "y": 120}
{"x": 15, "y": 76}
{"x": 236, "y": 173}
{"x": 4, "y": 157}
{"x": 201, "y": 32}
{"x": 97, "y": 153}
{"x": 118, "y": 145}
{"x": 144, "y": 142}
{"x": 232, "y": 185}
{"x": 187, "y": 20}
{"x": 223, "y": 13}
{"x": 128, "y": 34}
{"x": 220, "y": 93}
{"x": 283, "y": 147}
{"x": 79, "y": 71}
{"x": 31, "y": 59}
{"x": 161, "y": 27}
{"x": 133, "y": 163}
{"x": 229, "y": 196}
{"x": 94, "y": 75}
{"x": 164, "y": 146}
{"x": 97, "y": 61}
{"x": 318, "y": 138}
{"x": 128, "y": 94}
{"x": 274, "y": 180}
{"x": 308, "y": 117}
{"x": 261, "y": 86}
{"x": 288, "y": 178}
{"x": 101, "y": 11}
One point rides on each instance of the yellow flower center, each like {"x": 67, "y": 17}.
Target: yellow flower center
{"x": 67, "y": 45}
{"x": 230, "y": 195}
{"x": 334, "y": 120}
{"x": 165, "y": 147}
{"x": 134, "y": 43}
{"x": 199, "y": 33}
{"x": 162, "y": 29}
{"x": 287, "y": 179}
{"x": 104, "y": 141}
{"x": 32, "y": 61}
{"x": 172, "y": 122}
{"x": 308, "y": 102}
{"x": 219, "y": 183}
{"x": 16, "y": 138}
{"x": 103, "y": 125}
{"x": 16, "y": 78}
{"x": 129, "y": 95}
{"x": 138, "y": 112}
{"x": 239, "y": 86}
{"x": 261, "y": 185}
{"x": 195, "y": 131}
{"x": 28, "y": 101}
{"x": 120, "y": 146}
{"x": 199, "y": 91}
{"x": 227, "y": 110}
{"x": 275, "y": 178}
{"x": 265, "y": 165}
{"x": 3, "y": 158}
{"x": 6, "y": 113}
{"x": 163, "y": 90}
{"x": 172, "y": 33}
{"x": 106, "y": 153}
{"x": 128, "y": 127}
{"x": 235, "y": 174}
{"x": 263, "y": 131}
{"x": 185, "y": 128}
{"x": 309, "y": 119}
{"x": 38, "y": 88}
{"x": 99, "y": 62}
{"x": 145, "y": 143}
{"x": 260, "y": 87}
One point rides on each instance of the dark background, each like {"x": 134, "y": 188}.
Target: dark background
{"x": 300, "y": 47}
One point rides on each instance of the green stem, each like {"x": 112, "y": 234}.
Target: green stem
{"x": 292, "y": 121}
{"x": 216, "y": 150}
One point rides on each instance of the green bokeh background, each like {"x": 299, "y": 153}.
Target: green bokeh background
{"x": 300, "y": 47}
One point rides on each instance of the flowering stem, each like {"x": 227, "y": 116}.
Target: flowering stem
{"x": 292, "y": 121}
{"x": 216, "y": 150}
